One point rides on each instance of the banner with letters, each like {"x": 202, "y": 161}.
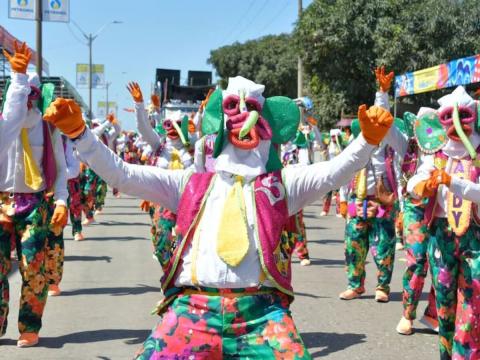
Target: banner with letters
{"x": 52, "y": 10}
{"x": 98, "y": 76}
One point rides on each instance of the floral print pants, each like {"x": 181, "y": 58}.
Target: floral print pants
{"x": 27, "y": 232}
{"x": 226, "y": 326}
{"x": 163, "y": 222}
{"x": 455, "y": 267}
{"x": 378, "y": 234}
{"x": 300, "y": 237}
{"x": 415, "y": 233}
{"x": 88, "y": 184}
{"x": 75, "y": 204}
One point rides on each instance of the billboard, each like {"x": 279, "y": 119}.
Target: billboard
{"x": 98, "y": 76}
{"x": 52, "y": 10}
{"x": 102, "y": 108}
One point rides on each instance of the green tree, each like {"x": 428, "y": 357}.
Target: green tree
{"x": 342, "y": 41}
{"x": 270, "y": 60}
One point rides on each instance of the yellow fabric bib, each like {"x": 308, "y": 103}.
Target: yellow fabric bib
{"x": 33, "y": 179}
{"x": 459, "y": 209}
{"x": 232, "y": 241}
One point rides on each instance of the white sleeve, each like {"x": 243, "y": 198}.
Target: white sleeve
{"x": 61, "y": 192}
{"x": 425, "y": 168}
{"x": 307, "y": 184}
{"x": 397, "y": 140}
{"x": 100, "y": 129}
{"x": 381, "y": 99}
{"x": 146, "y": 182}
{"x": 144, "y": 127}
{"x": 14, "y": 111}
{"x": 199, "y": 156}
{"x": 73, "y": 164}
{"x": 467, "y": 189}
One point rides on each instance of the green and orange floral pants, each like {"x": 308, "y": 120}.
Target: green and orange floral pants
{"x": 27, "y": 233}
{"x": 213, "y": 325}
{"x": 378, "y": 235}
{"x": 455, "y": 267}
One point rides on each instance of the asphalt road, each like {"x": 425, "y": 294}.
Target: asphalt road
{"x": 111, "y": 283}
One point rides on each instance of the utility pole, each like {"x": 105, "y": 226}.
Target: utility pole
{"x": 38, "y": 20}
{"x": 90, "y": 73}
{"x": 107, "y": 85}
{"x": 300, "y": 63}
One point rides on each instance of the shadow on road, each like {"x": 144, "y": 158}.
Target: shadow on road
{"x": 330, "y": 342}
{"x": 395, "y": 296}
{"x": 121, "y": 223}
{"x": 311, "y": 295}
{"x": 88, "y": 258}
{"x": 324, "y": 262}
{"x": 114, "y": 291}
{"x": 122, "y": 238}
{"x": 326, "y": 241}
{"x": 85, "y": 337}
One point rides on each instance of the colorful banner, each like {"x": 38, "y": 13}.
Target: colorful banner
{"x": 457, "y": 72}
{"x": 52, "y": 10}
{"x": 102, "y": 108}
{"x": 98, "y": 76}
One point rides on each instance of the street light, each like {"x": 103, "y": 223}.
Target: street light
{"x": 90, "y": 37}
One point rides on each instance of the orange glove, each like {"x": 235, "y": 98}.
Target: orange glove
{"x": 83, "y": 167}
{"x": 145, "y": 205}
{"x": 19, "y": 61}
{"x": 66, "y": 115}
{"x": 428, "y": 188}
{"x": 113, "y": 120}
{"x": 134, "y": 90}
{"x": 59, "y": 218}
{"x": 343, "y": 209}
{"x": 155, "y": 100}
{"x": 442, "y": 177}
{"x": 374, "y": 123}
{"x": 384, "y": 81}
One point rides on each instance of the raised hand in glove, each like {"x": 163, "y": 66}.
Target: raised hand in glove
{"x": 112, "y": 119}
{"x": 145, "y": 205}
{"x": 155, "y": 100}
{"x": 134, "y": 90}
{"x": 66, "y": 115}
{"x": 19, "y": 61}
{"x": 428, "y": 188}
{"x": 384, "y": 80}
{"x": 374, "y": 122}
{"x": 442, "y": 177}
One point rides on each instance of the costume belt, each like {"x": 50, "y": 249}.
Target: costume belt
{"x": 230, "y": 293}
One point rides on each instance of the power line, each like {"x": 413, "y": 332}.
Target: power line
{"x": 259, "y": 12}
{"x": 276, "y": 16}
{"x": 241, "y": 18}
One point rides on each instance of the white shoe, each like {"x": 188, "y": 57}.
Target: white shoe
{"x": 399, "y": 246}
{"x": 78, "y": 237}
{"x": 88, "y": 221}
{"x": 98, "y": 212}
{"x": 323, "y": 213}
{"x": 305, "y": 262}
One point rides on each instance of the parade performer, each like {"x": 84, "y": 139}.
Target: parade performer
{"x": 31, "y": 168}
{"x": 416, "y": 239}
{"x": 449, "y": 178}
{"x": 370, "y": 221}
{"x": 335, "y": 147}
{"x": 171, "y": 146}
{"x": 228, "y": 283}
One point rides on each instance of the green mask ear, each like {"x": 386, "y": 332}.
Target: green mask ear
{"x": 409, "y": 122}
{"x": 7, "y": 85}
{"x": 431, "y": 136}
{"x": 46, "y": 99}
{"x": 160, "y": 130}
{"x": 273, "y": 163}
{"x": 184, "y": 127}
{"x": 213, "y": 113}
{"x": 283, "y": 117}
{"x": 400, "y": 125}
{"x": 355, "y": 127}
{"x": 219, "y": 140}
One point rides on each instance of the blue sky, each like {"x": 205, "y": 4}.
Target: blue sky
{"x": 176, "y": 34}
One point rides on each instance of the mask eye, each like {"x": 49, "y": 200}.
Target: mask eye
{"x": 466, "y": 114}
{"x": 231, "y": 105}
{"x": 167, "y": 125}
{"x": 253, "y": 104}
{"x": 446, "y": 116}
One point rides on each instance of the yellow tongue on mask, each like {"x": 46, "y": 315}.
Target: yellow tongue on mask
{"x": 175, "y": 161}
{"x": 232, "y": 241}
{"x": 33, "y": 179}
